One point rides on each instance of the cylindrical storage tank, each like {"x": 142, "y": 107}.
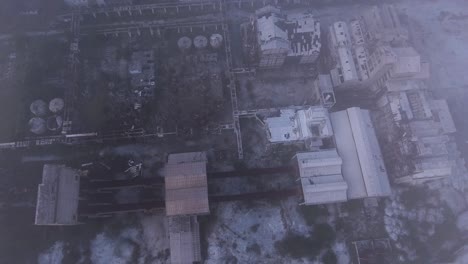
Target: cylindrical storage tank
{"x": 56, "y": 105}
{"x": 38, "y": 108}
{"x": 216, "y": 40}
{"x": 37, "y": 125}
{"x": 54, "y": 123}
{"x": 200, "y": 42}
{"x": 184, "y": 43}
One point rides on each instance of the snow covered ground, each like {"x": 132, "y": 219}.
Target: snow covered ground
{"x": 143, "y": 241}
{"x": 247, "y": 233}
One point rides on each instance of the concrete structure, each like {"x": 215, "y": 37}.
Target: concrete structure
{"x": 340, "y": 47}
{"x": 362, "y": 53}
{"x": 186, "y": 184}
{"x": 184, "y": 239}
{"x": 339, "y": 35}
{"x": 324, "y": 89}
{"x": 428, "y": 150}
{"x": 363, "y": 167}
{"x": 304, "y": 37}
{"x": 272, "y": 40}
{"x": 345, "y": 72}
{"x": 293, "y": 126}
{"x": 321, "y": 178}
{"x": 281, "y": 37}
{"x": 357, "y": 67}
{"x": 58, "y": 195}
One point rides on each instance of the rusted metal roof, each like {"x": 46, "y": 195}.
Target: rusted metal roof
{"x": 186, "y": 186}
{"x": 184, "y": 239}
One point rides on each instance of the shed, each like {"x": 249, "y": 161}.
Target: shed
{"x": 184, "y": 239}
{"x": 186, "y": 184}
{"x": 321, "y": 178}
{"x": 58, "y": 196}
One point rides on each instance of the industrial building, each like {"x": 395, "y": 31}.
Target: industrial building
{"x": 354, "y": 170}
{"x": 58, "y": 196}
{"x": 321, "y": 177}
{"x": 427, "y": 149}
{"x": 361, "y": 69}
{"x": 363, "y": 166}
{"x": 186, "y": 184}
{"x": 363, "y": 54}
{"x": 186, "y": 196}
{"x": 340, "y": 41}
{"x": 324, "y": 89}
{"x": 295, "y": 37}
{"x": 312, "y": 124}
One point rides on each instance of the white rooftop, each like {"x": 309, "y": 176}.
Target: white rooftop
{"x": 361, "y": 58}
{"x": 270, "y": 35}
{"x": 340, "y": 34}
{"x": 283, "y": 128}
{"x": 346, "y": 62}
{"x": 303, "y": 124}
{"x": 408, "y": 61}
{"x": 363, "y": 166}
{"x": 321, "y": 177}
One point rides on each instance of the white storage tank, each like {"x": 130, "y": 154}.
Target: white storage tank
{"x": 37, "y": 125}
{"x": 56, "y": 105}
{"x": 216, "y": 40}
{"x": 38, "y": 108}
{"x": 200, "y": 42}
{"x": 184, "y": 43}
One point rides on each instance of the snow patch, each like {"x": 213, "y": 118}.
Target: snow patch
{"x": 54, "y": 255}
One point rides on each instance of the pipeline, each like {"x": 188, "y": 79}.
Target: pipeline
{"x": 278, "y": 194}
{"x": 250, "y": 172}
{"x": 89, "y": 210}
{"x": 117, "y": 184}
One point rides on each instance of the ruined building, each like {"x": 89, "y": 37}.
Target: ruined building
{"x": 279, "y": 38}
